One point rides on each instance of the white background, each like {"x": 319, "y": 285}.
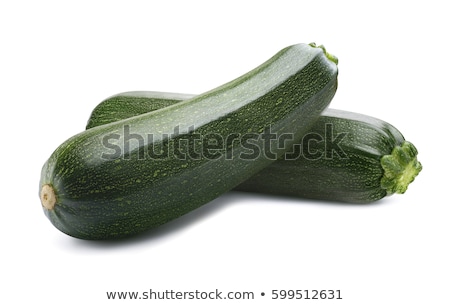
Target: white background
{"x": 59, "y": 60}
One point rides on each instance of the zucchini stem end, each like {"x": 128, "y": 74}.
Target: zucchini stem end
{"x": 400, "y": 168}
{"x": 330, "y": 56}
{"x": 48, "y": 197}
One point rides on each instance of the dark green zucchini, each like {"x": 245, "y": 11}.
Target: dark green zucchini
{"x": 129, "y": 176}
{"x": 344, "y": 157}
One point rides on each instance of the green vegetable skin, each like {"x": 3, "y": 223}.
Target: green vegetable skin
{"x": 97, "y": 185}
{"x": 344, "y": 157}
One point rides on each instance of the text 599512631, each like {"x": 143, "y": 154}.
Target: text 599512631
{"x": 306, "y": 294}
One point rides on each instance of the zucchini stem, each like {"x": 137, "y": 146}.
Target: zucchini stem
{"x": 328, "y": 55}
{"x": 400, "y": 168}
{"x": 48, "y": 197}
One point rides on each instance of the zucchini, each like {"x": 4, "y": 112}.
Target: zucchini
{"x": 345, "y": 156}
{"x": 126, "y": 177}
